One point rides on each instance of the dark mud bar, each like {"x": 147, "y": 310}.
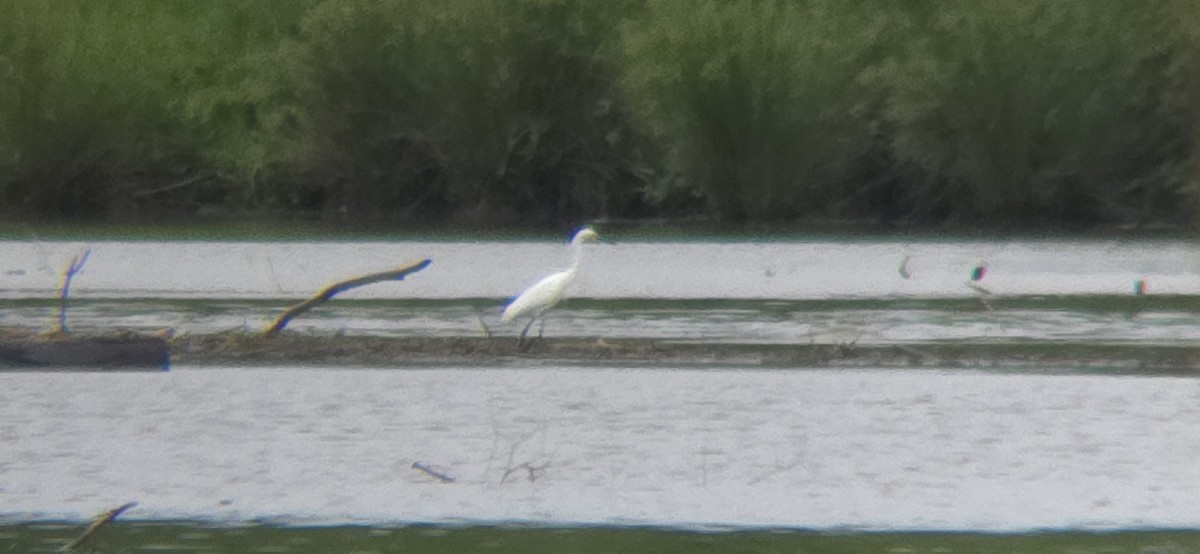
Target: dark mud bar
{"x": 22, "y": 349}
{"x": 26, "y": 351}
{"x": 303, "y": 349}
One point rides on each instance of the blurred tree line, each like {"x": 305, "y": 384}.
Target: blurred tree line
{"x": 548, "y": 112}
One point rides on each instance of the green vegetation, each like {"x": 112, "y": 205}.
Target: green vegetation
{"x": 758, "y": 104}
{"x": 1041, "y": 109}
{"x": 139, "y": 537}
{"x": 548, "y": 112}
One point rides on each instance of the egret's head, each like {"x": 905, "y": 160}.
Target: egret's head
{"x": 585, "y": 234}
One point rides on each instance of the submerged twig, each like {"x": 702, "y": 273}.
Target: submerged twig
{"x": 482, "y": 326}
{"x": 533, "y": 471}
{"x": 64, "y": 288}
{"x": 100, "y": 522}
{"x": 330, "y": 291}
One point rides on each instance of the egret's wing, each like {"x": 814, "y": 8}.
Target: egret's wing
{"x": 538, "y": 298}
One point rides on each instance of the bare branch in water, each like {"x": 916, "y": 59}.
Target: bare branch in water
{"x": 330, "y": 291}
{"x": 64, "y": 288}
{"x": 99, "y": 523}
{"x": 533, "y": 471}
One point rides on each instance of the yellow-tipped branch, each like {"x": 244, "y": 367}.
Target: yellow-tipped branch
{"x": 332, "y": 290}
{"x": 64, "y": 287}
{"x": 100, "y": 522}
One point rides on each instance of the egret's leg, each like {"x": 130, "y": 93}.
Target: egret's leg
{"x": 521, "y": 339}
{"x": 541, "y": 327}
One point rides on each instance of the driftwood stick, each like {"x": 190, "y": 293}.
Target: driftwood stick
{"x": 101, "y": 521}
{"x": 432, "y": 472}
{"x": 64, "y": 287}
{"x": 330, "y": 291}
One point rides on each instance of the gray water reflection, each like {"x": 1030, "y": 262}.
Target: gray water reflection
{"x": 863, "y": 449}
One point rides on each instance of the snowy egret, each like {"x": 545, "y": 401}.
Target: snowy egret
{"x": 536, "y": 300}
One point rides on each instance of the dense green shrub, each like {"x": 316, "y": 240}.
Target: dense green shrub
{"x": 495, "y": 110}
{"x": 82, "y": 118}
{"x": 237, "y": 93}
{"x": 757, "y": 101}
{"x": 1039, "y": 110}
{"x": 549, "y": 112}
{"x": 534, "y": 125}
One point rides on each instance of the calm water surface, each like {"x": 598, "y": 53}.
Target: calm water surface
{"x": 875, "y": 450}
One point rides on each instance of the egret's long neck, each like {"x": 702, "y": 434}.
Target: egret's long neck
{"x": 577, "y": 257}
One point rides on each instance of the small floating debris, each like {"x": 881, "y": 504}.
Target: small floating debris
{"x": 903, "y": 269}
{"x": 432, "y": 472}
{"x": 977, "y": 274}
{"x": 979, "y": 271}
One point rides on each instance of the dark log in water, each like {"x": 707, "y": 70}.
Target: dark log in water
{"x": 125, "y": 352}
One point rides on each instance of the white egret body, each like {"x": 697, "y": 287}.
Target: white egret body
{"x": 536, "y": 300}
